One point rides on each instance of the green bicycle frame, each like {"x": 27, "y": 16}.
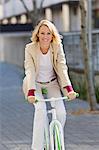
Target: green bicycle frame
{"x": 57, "y": 137}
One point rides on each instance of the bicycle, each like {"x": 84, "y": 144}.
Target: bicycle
{"x": 55, "y": 128}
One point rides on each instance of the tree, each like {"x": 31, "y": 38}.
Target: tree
{"x": 87, "y": 55}
{"x": 36, "y": 14}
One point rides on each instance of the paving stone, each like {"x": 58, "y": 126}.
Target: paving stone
{"x": 16, "y": 117}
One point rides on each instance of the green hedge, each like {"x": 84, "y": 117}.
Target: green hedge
{"x": 79, "y": 85}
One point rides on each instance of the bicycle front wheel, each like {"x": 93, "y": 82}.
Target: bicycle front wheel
{"x": 57, "y": 138}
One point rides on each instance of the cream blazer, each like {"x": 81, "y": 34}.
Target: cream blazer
{"x": 31, "y": 65}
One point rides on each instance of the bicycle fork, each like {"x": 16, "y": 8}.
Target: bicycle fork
{"x": 56, "y": 128}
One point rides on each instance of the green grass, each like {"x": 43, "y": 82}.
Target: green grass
{"x": 97, "y": 92}
{"x": 80, "y": 86}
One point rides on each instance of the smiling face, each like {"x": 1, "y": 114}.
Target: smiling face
{"x": 45, "y": 35}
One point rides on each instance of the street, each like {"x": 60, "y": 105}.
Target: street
{"x": 16, "y": 117}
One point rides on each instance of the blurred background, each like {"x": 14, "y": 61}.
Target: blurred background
{"x": 19, "y": 17}
{"x": 78, "y": 23}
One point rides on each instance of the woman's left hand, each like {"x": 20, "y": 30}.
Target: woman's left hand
{"x": 72, "y": 95}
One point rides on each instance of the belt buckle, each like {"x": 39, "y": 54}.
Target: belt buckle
{"x": 45, "y": 82}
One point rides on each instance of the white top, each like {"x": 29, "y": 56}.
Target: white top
{"x": 46, "y": 72}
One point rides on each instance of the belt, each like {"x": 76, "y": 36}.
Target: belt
{"x": 46, "y": 82}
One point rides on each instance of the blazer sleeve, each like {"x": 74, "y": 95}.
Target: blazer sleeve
{"x": 29, "y": 69}
{"x": 62, "y": 68}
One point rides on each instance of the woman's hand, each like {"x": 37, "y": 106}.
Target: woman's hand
{"x": 72, "y": 95}
{"x": 31, "y": 99}
{"x": 31, "y": 96}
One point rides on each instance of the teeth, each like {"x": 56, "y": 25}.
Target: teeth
{"x": 45, "y": 40}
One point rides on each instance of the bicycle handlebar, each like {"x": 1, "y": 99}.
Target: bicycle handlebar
{"x": 55, "y": 99}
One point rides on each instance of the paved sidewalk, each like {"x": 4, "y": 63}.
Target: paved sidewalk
{"x": 81, "y": 130}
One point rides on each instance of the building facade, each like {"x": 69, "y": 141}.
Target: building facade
{"x": 64, "y": 13}
{"x": 16, "y": 26}
{"x": 95, "y": 14}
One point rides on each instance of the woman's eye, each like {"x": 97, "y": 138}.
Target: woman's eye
{"x": 48, "y": 33}
{"x": 42, "y": 32}
{"x": 45, "y": 33}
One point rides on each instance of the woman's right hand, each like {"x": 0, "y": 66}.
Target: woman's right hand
{"x": 31, "y": 99}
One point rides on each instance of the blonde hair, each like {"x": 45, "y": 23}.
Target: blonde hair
{"x": 56, "y": 37}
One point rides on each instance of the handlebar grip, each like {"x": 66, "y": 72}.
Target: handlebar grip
{"x": 77, "y": 94}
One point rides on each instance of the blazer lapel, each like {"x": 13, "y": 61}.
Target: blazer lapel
{"x": 37, "y": 58}
{"x": 52, "y": 54}
{"x": 35, "y": 55}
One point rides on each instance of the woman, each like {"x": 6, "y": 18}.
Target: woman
{"x": 45, "y": 67}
